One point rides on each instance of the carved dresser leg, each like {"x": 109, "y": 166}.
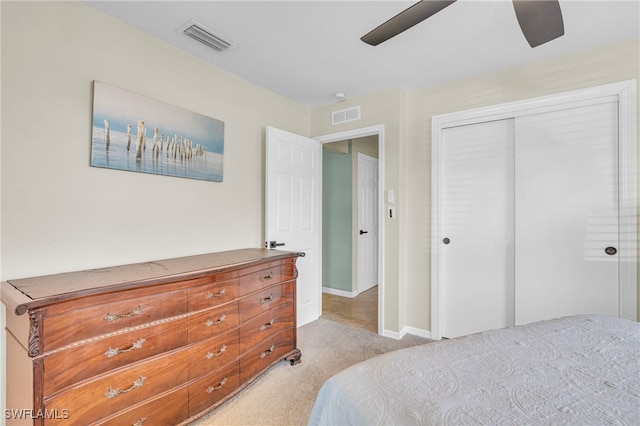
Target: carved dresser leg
{"x": 294, "y": 358}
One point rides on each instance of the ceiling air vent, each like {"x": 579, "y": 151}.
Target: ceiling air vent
{"x": 345, "y": 115}
{"x": 199, "y": 33}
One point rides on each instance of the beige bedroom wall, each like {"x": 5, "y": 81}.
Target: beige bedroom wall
{"x": 3, "y": 311}
{"x": 387, "y": 108}
{"x": 609, "y": 64}
{"x": 60, "y": 214}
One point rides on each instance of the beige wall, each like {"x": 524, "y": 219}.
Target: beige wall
{"x": 600, "y": 66}
{"x": 407, "y": 120}
{"x": 60, "y": 214}
{"x": 388, "y": 108}
{"x": 3, "y": 310}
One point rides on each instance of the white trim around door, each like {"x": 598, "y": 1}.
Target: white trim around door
{"x": 359, "y": 133}
{"x": 625, "y": 94}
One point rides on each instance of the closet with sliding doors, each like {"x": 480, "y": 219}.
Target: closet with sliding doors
{"x": 534, "y": 211}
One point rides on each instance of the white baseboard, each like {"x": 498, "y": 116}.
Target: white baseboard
{"x": 407, "y": 330}
{"x": 416, "y": 332}
{"x": 391, "y": 334}
{"x": 386, "y": 333}
{"x": 342, "y": 293}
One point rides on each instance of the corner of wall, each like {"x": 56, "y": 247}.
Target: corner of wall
{"x": 3, "y": 358}
{"x": 3, "y": 333}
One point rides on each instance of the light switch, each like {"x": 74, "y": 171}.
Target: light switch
{"x": 391, "y": 196}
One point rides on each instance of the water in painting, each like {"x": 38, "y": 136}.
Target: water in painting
{"x": 135, "y": 133}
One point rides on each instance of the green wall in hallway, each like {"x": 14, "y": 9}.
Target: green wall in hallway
{"x": 336, "y": 220}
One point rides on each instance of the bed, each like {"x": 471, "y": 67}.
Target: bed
{"x": 580, "y": 370}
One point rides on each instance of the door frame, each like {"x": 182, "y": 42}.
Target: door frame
{"x": 377, "y": 130}
{"x": 625, "y": 94}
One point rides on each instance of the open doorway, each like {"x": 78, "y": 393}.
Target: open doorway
{"x": 350, "y": 226}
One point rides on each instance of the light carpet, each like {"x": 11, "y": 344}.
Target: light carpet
{"x": 285, "y": 394}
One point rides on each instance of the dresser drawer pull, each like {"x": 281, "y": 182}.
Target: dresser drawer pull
{"x": 210, "y": 295}
{"x": 267, "y": 352}
{"x": 135, "y": 345}
{"x": 112, "y": 393}
{"x": 264, "y": 278}
{"x": 266, "y": 299}
{"x": 134, "y": 312}
{"x": 220, "y": 352}
{"x": 217, "y": 387}
{"x": 209, "y": 323}
{"x": 140, "y": 421}
{"x": 263, "y": 327}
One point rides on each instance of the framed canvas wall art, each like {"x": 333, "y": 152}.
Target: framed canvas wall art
{"x": 136, "y": 133}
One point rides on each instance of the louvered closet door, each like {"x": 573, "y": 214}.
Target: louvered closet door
{"x": 566, "y": 213}
{"x": 477, "y": 214}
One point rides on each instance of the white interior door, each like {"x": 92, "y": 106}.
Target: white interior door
{"x": 293, "y": 211}
{"x": 367, "y": 222}
{"x": 477, "y": 227}
{"x": 567, "y": 213}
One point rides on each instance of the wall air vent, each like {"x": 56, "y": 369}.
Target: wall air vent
{"x": 345, "y": 115}
{"x": 199, "y": 33}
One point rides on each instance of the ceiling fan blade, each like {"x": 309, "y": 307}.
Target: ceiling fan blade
{"x": 540, "y": 20}
{"x": 404, "y": 20}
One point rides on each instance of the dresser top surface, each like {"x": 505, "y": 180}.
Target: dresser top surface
{"x": 45, "y": 289}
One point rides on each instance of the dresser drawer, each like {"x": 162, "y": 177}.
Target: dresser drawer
{"x": 265, "y": 326}
{"x": 270, "y": 298}
{"x": 77, "y": 363}
{"x": 211, "y": 354}
{"x": 206, "y": 296}
{"x": 170, "y": 409}
{"x": 108, "y": 317}
{"x": 275, "y": 273}
{"x": 213, "y": 322}
{"x": 151, "y": 343}
{"x": 110, "y": 393}
{"x": 213, "y": 388}
{"x": 265, "y": 354}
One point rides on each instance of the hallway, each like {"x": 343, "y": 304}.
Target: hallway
{"x": 361, "y": 311}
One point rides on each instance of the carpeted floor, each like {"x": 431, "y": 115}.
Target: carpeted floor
{"x": 285, "y": 395}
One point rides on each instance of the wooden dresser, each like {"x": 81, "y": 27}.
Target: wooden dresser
{"x": 155, "y": 343}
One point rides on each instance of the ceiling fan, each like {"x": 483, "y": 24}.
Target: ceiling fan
{"x": 540, "y": 20}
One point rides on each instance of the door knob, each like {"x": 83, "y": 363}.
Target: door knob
{"x": 446, "y": 240}
{"x": 363, "y": 232}
{"x": 274, "y": 244}
{"x": 611, "y": 250}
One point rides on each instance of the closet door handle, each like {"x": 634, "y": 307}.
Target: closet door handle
{"x": 611, "y": 250}
{"x": 446, "y": 240}
{"x": 363, "y": 232}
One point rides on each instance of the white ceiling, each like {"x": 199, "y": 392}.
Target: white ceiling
{"x": 309, "y": 50}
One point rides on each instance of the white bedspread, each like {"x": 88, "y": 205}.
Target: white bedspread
{"x": 579, "y": 370}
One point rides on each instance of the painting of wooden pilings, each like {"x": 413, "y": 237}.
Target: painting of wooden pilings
{"x": 136, "y": 133}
